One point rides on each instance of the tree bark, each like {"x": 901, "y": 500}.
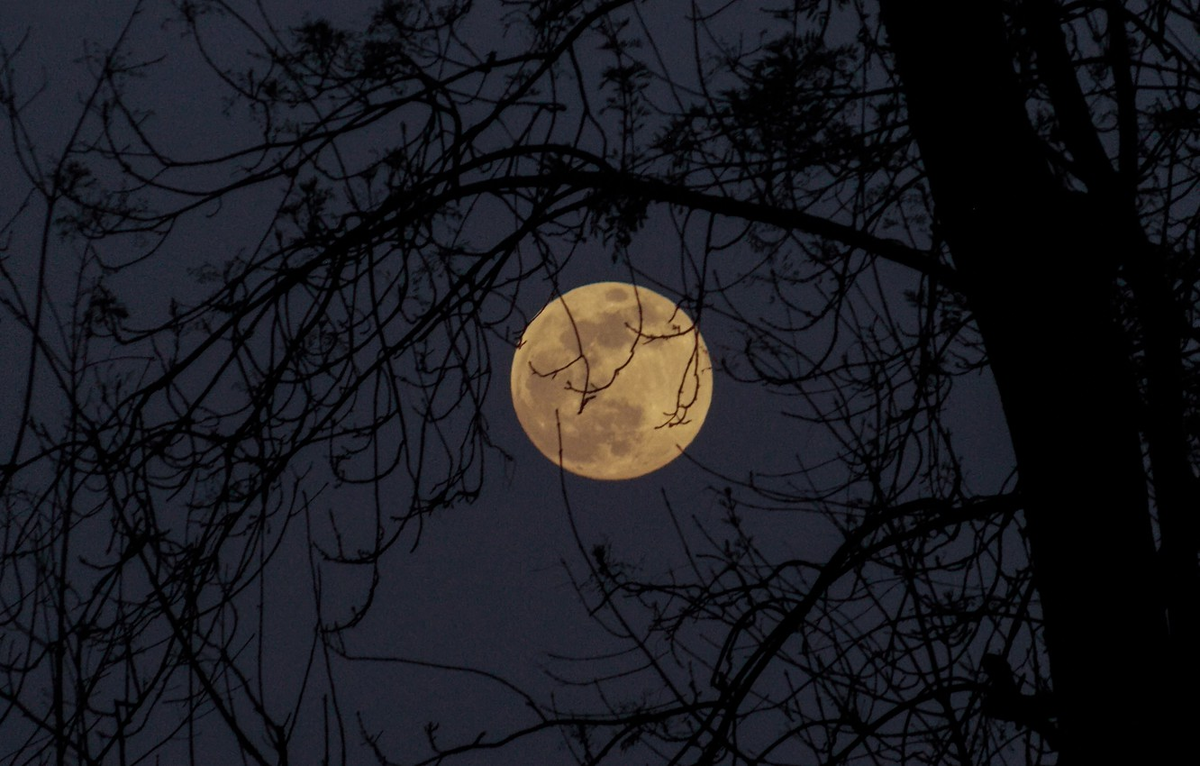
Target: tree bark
{"x": 1037, "y": 264}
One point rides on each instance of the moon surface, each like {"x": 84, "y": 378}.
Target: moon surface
{"x": 621, "y": 372}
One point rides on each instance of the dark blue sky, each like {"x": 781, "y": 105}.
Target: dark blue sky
{"x": 486, "y": 586}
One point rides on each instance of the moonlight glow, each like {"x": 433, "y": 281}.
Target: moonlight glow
{"x": 621, "y": 371}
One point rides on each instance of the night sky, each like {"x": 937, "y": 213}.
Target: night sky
{"x": 484, "y": 585}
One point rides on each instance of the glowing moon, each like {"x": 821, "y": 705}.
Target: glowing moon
{"x": 622, "y": 371}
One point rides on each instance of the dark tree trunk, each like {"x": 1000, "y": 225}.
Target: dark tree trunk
{"x": 1038, "y": 265}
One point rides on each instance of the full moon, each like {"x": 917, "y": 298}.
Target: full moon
{"x": 620, "y": 372}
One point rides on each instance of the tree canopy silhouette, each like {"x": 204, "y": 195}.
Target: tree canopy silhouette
{"x": 886, "y": 200}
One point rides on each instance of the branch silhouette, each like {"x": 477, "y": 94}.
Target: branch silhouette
{"x": 878, "y": 218}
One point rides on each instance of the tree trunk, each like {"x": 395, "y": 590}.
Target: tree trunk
{"x": 1038, "y": 264}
